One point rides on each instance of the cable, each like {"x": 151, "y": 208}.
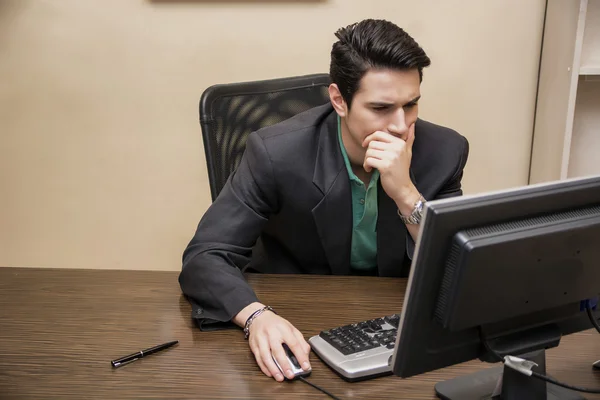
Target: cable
{"x": 593, "y": 319}
{"x": 487, "y": 346}
{"x": 537, "y": 375}
{"x": 557, "y": 383}
{"x": 318, "y": 388}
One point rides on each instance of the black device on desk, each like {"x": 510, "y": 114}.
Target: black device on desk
{"x": 511, "y": 267}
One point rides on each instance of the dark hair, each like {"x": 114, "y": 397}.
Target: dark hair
{"x": 370, "y": 44}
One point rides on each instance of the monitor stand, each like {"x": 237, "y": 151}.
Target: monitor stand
{"x": 504, "y": 383}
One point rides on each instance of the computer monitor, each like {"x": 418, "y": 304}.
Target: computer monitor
{"x": 510, "y": 266}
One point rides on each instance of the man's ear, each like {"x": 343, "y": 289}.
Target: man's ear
{"x": 337, "y": 101}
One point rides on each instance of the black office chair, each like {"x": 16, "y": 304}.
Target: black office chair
{"x": 230, "y": 112}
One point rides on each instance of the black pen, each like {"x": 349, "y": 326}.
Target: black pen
{"x": 142, "y": 353}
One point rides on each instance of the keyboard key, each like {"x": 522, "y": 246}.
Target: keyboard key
{"x": 364, "y": 346}
{"x": 393, "y": 320}
{"x": 362, "y": 336}
{"x": 375, "y": 326}
{"x": 329, "y": 339}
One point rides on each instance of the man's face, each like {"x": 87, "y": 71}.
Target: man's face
{"x": 385, "y": 101}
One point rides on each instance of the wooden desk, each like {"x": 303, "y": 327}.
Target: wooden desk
{"x": 60, "y": 328}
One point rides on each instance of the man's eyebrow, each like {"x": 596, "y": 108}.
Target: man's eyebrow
{"x": 414, "y": 101}
{"x": 380, "y": 104}
{"x": 386, "y": 104}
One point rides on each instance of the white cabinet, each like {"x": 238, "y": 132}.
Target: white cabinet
{"x": 566, "y": 138}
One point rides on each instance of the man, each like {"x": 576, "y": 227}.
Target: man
{"x": 337, "y": 189}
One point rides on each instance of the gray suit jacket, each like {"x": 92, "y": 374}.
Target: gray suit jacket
{"x": 287, "y": 209}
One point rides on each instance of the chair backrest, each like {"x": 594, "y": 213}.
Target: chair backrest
{"x": 230, "y": 112}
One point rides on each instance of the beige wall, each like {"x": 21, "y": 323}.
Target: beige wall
{"x": 101, "y": 161}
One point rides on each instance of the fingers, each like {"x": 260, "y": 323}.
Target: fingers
{"x": 301, "y": 350}
{"x": 379, "y": 154}
{"x": 380, "y": 137}
{"x": 303, "y": 342}
{"x": 410, "y": 139}
{"x": 265, "y": 341}
{"x": 376, "y": 154}
{"x": 255, "y": 347}
{"x": 385, "y": 147}
{"x": 282, "y": 359}
{"x": 265, "y": 351}
{"x": 261, "y": 364}
{"x": 371, "y": 163}
{"x": 377, "y": 145}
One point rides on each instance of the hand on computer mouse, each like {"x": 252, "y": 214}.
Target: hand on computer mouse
{"x": 267, "y": 334}
{"x": 293, "y": 362}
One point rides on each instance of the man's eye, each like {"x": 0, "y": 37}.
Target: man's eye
{"x": 380, "y": 108}
{"x": 411, "y": 105}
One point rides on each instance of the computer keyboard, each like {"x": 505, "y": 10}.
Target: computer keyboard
{"x": 359, "y": 351}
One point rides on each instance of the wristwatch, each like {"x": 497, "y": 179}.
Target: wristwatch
{"x": 415, "y": 217}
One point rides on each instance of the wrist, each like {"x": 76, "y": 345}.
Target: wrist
{"x": 407, "y": 199}
{"x": 254, "y": 316}
{"x": 241, "y": 317}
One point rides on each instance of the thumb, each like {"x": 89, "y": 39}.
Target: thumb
{"x": 411, "y": 137}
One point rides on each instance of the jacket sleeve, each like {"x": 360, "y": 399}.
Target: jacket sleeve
{"x": 452, "y": 188}
{"x": 211, "y": 275}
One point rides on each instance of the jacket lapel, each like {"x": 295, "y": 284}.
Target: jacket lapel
{"x": 333, "y": 214}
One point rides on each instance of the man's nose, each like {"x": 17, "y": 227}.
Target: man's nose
{"x": 398, "y": 125}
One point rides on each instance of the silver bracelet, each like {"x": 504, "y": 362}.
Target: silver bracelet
{"x": 252, "y": 317}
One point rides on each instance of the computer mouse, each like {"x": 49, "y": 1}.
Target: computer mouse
{"x": 295, "y": 365}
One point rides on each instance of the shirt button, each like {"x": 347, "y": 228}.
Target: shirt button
{"x": 362, "y": 201}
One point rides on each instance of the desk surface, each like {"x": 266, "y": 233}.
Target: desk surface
{"x": 60, "y": 328}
